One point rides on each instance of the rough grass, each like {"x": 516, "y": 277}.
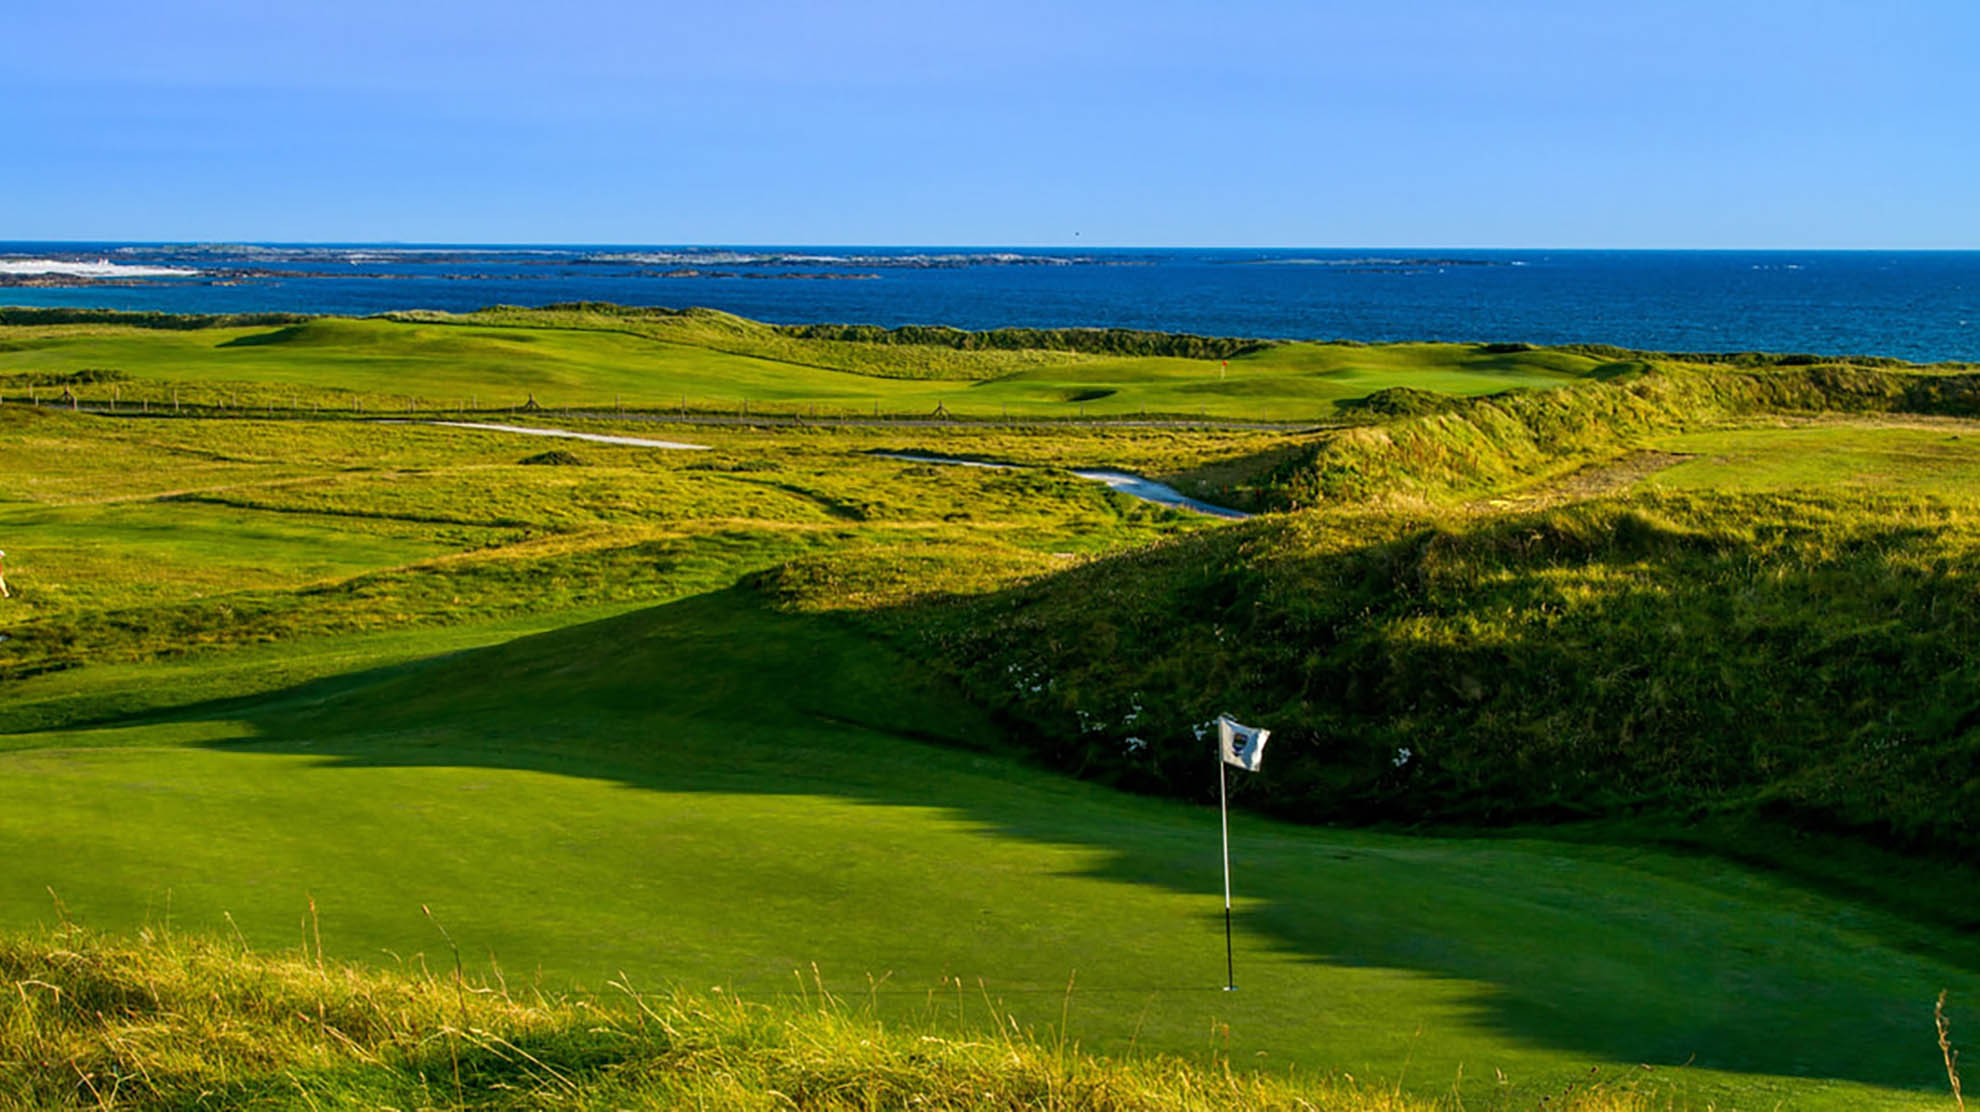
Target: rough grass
{"x": 1754, "y": 651}
{"x": 158, "y": 1022}
{"x": 1488, "y": 443}
{"x": 1674, "y": 653}
{"x": 132, "y": 540}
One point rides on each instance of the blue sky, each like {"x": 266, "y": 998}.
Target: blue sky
{"x": 1403, "y": 123}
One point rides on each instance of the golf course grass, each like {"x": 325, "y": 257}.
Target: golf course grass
{"x": 1910, "y": 458}
{"x": 715, "y": 363}
{"x": 713, "y": 794}
{"x": 786, "y": 711}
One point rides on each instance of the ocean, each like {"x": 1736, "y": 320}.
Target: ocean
{"x": 1917, "y": 305}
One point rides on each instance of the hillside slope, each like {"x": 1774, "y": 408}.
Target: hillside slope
{"x": 1781, "y": 636}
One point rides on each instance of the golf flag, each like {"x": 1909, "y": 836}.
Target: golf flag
{"x": 1243, "y": 746}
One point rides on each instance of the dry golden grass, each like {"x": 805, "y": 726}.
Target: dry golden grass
{"x": 160, "y": 1022}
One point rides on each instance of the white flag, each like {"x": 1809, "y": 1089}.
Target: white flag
{"x": 1243, "y": 746}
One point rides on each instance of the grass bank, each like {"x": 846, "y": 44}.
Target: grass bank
{"x": 1677, "y": 653}
{"x": 1437, "y": 450}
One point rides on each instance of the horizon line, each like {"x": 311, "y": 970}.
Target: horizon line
{"x": 1074, "y": 246}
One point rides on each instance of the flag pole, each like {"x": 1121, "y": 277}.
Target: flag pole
{"x": 1224, "y": 815}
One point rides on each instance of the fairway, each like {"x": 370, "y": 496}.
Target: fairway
{"x": 1910, "y": 458}
{"x": 713, "y": 363}
{"x": 657, "y": 811}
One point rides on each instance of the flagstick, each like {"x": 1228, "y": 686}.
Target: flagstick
{"x": 1224, "y": 814}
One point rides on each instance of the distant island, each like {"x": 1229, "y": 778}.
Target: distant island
{"x": 813, "y": 275}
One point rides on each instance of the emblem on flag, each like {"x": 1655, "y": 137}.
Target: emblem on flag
{"x": 1243, "y": 746}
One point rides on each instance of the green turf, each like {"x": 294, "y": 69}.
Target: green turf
{"x": 593, "y": 362}
{"x": 712, "y": 793}
{"x": 1921, "y": 458}
{"x": 108, "y": 690}
{"x": 168, "y": 551}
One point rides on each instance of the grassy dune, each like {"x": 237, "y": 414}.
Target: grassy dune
{"x": 1766, "y": 621}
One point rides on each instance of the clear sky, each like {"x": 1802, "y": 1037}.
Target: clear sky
{"x": 1564, "y": 123}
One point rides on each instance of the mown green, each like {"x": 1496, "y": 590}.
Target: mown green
{"x": 700, "y": 361}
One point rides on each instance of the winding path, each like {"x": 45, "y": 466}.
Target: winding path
{"x": 595, "y": 437}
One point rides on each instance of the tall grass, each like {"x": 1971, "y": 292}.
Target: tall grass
{"x": 1946, "y": 1050}
{"x": 169, "y": 1022}
{"x": 1676, "y": 655}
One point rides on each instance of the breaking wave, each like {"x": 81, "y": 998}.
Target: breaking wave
{"x": 101, "y": 268}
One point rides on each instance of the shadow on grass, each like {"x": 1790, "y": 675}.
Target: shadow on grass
{"x": 1583, "y": 950}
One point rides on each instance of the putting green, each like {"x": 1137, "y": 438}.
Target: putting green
{"x": 711, "y": 793}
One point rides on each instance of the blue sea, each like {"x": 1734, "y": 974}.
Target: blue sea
{"x": 1923, "y": 306}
